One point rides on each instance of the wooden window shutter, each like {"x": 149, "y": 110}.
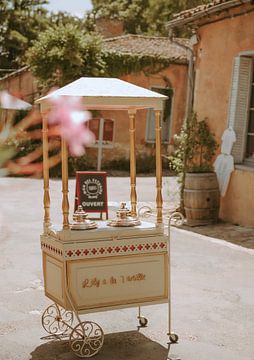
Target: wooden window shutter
{"x": 239, "y": 104}
{"x": 165, "y": 117}
{"x": 150, "y": 126}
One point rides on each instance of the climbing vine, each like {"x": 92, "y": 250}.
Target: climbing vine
{"x": 118, "y": 64}
{"x": 64, "y": 53}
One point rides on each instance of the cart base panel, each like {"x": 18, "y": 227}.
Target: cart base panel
{"x": 107, "y": 283}
{"x": 107, "y": 269}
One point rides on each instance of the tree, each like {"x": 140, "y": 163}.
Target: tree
{"x": 64, "y": 53}
{"x": 20, "y": 23}
{"x": 143, "y": 16}
{"x": 64, "y": 18}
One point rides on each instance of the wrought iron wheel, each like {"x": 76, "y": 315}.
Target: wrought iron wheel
{"x": 145, "y": 211}
{"x": 143, "y": 321}
{"x": 86, "y": 339}
{"x": 173, "y": 338}
{"x": 176, "y": 218}
{"x": 56, "y": 321}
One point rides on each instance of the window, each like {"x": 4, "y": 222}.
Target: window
{"x": 107, "y": 127}
{"x": 241, "y": 109}
{"x": 166, "y": 116}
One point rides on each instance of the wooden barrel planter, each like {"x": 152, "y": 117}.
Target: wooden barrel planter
{"x": 201, "y": 198}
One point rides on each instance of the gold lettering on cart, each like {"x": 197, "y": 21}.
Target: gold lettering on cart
{"x": 95, "y": 282}
{"x": 136, "y": 277}
{"x": 112, "y": 280}
{"x": 88, "y": 283}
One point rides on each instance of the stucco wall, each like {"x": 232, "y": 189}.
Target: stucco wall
{"x": 219, "y": 43}
{"x": 176, "y": 75}
{"x": 238, "y": 205}
{"x": 23, "y": 85}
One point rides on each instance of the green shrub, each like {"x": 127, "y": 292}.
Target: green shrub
{"x": 195, "y": 147}
{"x": 144, "y": 164}
{"x": 74, "y": 164}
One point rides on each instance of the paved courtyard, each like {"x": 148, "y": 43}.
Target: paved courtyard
{"x": 212, "y": 287}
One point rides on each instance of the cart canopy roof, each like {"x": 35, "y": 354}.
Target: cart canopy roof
{"x": 108, "y": 94}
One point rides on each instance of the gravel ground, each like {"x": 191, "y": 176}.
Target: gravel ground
{"x": 212, "y": 287}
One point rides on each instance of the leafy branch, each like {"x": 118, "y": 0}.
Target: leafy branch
{"x": 195, "y": 147}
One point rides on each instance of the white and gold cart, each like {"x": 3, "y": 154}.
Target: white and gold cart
{"x": 108, "y": 267}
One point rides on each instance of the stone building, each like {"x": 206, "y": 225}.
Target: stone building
{"x": 223, "y": 53}
{"x": 171, "y": 81}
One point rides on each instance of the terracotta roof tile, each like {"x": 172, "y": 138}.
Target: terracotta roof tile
{"x": 212, "y": 6}
{"x": 192, "y": 11}
{"x": 15, "y": 72}
{"x": 139, "y": 44}
{"x": 150, "y": 46}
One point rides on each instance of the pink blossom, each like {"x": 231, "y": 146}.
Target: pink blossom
{"x": 10, "y": 102}
{"x": 69, "y": 114}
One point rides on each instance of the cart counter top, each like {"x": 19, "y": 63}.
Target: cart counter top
{"x": 104, "y": 241}
{"x": 104, "y": 232}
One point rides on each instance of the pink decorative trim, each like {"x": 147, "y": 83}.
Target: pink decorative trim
{"x": 109, "y": 250}
{"x": 144, "y": 248}
{"x": 51, "y": 249}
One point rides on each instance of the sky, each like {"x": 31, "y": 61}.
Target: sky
{"x": 75, "y": 7}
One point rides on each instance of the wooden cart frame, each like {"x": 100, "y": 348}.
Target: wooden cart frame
{"x": 86, "y": 338}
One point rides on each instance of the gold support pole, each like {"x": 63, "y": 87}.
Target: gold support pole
{"x": 65, "y": 190}
{"x": 132, "y": 130}
{"x": 158, "y": 166}
{"x": 46, "y": 197}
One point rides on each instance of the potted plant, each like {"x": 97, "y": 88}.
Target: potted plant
{"x": 195, "y": 148}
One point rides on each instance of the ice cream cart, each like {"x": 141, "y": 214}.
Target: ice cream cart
{"x": 88, "y": 266}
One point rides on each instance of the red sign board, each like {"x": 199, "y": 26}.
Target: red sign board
{"x": 91, "y": 191}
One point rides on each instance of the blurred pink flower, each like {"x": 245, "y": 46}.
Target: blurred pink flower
{"x": 69, "y": 114}
{"x": 10, "y": 102}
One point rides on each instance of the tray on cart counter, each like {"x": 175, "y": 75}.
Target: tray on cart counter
{"x": 116, "y": 269}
